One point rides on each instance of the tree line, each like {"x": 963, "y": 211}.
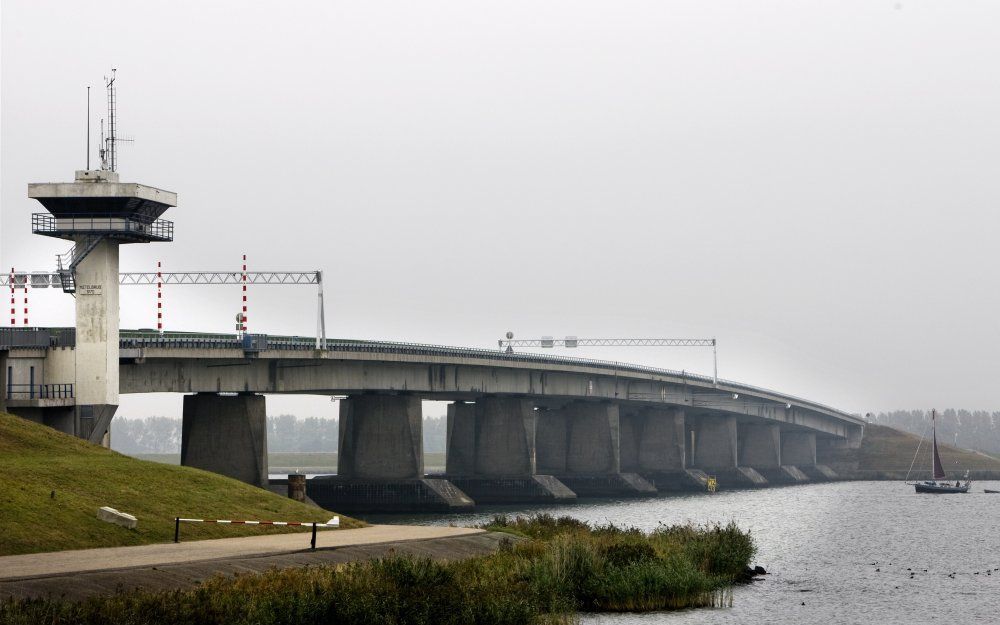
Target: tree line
{"x": 285, "y": 433}
{"x": 970, "y": 429}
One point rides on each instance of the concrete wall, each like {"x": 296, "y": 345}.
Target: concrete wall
{"x": 97, "y": 371}
{"x": 460, "y": 458}
{"x": 505, "y": 436}
{"x": 593, "y": 438}
{"x": 716, "y": 442}
{"x": 21, "y": 364}
{"x": 227, "y": 435}
{"x": 3, "y": 380}
{"x": 551, "y": 440}
{"x": 798, "y": 448}
{"x": 652, "y": 439}
{"x": 381, "y": 437}
{"x": 60, "y": 365}
{"x": 760, "y": 445}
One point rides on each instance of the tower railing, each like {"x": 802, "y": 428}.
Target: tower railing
{"x": 125, "y": 226}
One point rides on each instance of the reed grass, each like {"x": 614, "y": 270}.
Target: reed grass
{"x": 559, "y": 567}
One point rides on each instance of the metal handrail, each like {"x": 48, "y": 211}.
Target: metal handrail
{"x": 40, "y": 391}
{"x": 230, "y": 341}
{"x": 112, "y": 224}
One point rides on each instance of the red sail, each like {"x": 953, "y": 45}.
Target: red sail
{"x": 938, "y": 469}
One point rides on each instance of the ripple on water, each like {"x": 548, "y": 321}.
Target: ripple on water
{"x": 848, "y": 552}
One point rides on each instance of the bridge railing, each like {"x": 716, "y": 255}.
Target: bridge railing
{"x": 230, "y": 341}
{"x": 37, "y": 337}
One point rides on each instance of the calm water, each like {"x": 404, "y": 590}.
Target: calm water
{"x": 840, "y": 549}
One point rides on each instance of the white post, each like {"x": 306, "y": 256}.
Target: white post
{"x": 715, "y": 364}
{"x": 320, "y": 314}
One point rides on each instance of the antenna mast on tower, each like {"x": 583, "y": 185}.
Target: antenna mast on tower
{"x": 109, "y": 142}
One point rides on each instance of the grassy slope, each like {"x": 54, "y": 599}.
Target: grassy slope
{"x": 886, "y": 449}
{"x": 36, "y": 460}
{"x": 307, "y": 462}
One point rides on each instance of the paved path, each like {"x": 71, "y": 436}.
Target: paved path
{"x": 113, "y": 558}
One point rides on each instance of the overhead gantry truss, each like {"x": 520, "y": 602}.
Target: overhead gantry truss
{"x": 508, "y": 344}
{"x": 222, "y": 277}
{"x": 45, "y": 279}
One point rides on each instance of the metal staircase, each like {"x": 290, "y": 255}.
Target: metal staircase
{"x": 66, "y": 263}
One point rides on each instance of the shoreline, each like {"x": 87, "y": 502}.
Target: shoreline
{"x": 184, "y": 574}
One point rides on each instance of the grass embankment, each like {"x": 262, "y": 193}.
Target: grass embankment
{"x": 51, "y": 486}
{"x": 304, "y": 462}
{"x": 888, "y": 452}
{"x": 565, "y": 566}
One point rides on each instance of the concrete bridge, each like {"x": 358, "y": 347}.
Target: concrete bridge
{"x": 521, "y": 427}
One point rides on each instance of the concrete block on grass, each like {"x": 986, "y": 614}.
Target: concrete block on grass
{"x": 110, "y": 515}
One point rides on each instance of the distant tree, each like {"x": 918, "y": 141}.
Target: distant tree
{"x": 978, "y": 430}
{"x": 435, "y": 434}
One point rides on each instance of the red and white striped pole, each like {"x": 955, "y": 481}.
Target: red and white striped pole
{"x": 243, "y": 321}
{"x": 13, "y": 302}
{"x": 27, "y": 279}
{"x": 159, "y": 298}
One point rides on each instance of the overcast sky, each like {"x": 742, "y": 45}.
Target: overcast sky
{"x": 813, "y": 183}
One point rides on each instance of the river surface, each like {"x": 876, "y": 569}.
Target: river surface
{"x": 836, "y": 553}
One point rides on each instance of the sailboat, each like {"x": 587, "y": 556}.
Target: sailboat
{"x": 936, "y": 486}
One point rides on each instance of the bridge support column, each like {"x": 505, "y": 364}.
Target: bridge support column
{"x": 652, "y": 445}
{"x": 798, "y": 448}
{"x": 716, "y": 452}
{"x": 226, "y": 434}
{"x": 460, "y": 456}
{"x": 494, "y": 449}
{"x": 380, "y": 464}
{"x": 591, "y": 448}
{"x": 381, "y": 438}
{"x": 550, "y": 442}
{"x": 760, "y": 448}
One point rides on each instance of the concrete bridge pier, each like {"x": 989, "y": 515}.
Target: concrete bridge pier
{"x": 653, "y": 445}
{"x": 226, "y": 434}
{"x": 581, "y": 445}
{"x": 380, "y": 463}
{"x": 760, "y": 448}
{"x": 492, "y": 453}
{"x": 716, "y": 452}
{"x": 799, "y": 449}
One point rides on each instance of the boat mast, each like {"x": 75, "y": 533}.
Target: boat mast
{"x": 936, "y": 467}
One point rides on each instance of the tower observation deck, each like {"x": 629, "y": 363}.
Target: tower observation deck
{"x": 98, "y": 213}
{"x": 97, "y": 207}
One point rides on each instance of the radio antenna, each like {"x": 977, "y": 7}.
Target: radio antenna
{"x": 109, "y": 151}
{"x": 110, "y": 84}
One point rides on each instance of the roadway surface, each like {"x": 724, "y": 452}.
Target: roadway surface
{"x": 74, "y": 575}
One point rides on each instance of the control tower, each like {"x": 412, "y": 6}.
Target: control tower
{"x": 98, "y": 213}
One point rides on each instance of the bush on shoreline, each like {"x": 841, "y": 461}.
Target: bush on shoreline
{"x": 555, "y": 568}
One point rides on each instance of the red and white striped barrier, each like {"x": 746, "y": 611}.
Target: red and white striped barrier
{"x": 334, "y": 522}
